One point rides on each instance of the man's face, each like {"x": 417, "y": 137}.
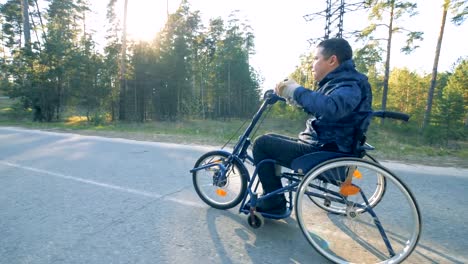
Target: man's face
{"x": 322, "y": 66}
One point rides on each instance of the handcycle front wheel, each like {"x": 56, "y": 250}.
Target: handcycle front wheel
{"x": 386, "y": 233}
{"x": 378, "y": 186}
{"x": 218, "y": 190}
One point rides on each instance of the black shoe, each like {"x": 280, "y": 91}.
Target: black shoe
{"x": 272, "y": 205}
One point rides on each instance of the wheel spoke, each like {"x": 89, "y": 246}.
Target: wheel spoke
{"x": 218, "y": 190}
{"x": 358, "y": 228}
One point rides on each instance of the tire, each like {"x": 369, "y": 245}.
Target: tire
{"x": 220, "y": 193}
{"x": 358, "y": 235}
{"x": 379, "y": 185}
{"x": 255, "y": 220}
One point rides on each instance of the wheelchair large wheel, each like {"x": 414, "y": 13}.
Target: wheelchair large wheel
{"x": 377, "y": 183}
{"x": 385, "y": 233}
{"x": 218, "y": 190}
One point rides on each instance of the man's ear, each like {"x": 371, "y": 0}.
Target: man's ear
{"x": 333, "y": 60}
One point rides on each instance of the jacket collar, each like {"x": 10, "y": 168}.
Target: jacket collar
{"x": 347, "y": 65}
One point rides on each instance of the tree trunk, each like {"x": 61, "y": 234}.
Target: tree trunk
{"x": 123, "y": 80}
{"x": 2, "y": 47}
{"x": 202, "y": 86}
{"x": 26, "y": 25}
{"x": 387, "y": 60}
{"x": 40, "y": 18}
{"x": 35, "y": 29}
{"x": 28, "y": 52}
{"x": 430, "y": 94}
{"x": 229, "y": 90}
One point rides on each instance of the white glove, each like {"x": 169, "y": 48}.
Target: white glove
{"x": 286, "y": 90}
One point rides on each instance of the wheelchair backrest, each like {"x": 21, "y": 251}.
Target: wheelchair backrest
{"x": 305, "y": 163}
{"x": 359, "y": 137}
{"x": 358, "y": 147}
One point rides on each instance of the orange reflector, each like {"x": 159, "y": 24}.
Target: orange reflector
{"x": 357, "y": 174}
{"x": 221, "y": 192}
{"x": 348, "y": 189}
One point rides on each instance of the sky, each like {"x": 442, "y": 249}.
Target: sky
{"x": 282, "y": 33}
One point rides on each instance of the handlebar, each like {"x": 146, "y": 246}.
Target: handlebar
{"x": 270, "y": 97}
{"x": 390, "y": 114}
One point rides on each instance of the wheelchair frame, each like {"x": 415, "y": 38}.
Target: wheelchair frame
{"x": 302, "y": 171}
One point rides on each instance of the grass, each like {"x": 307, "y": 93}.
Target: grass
{"x": 390, "y": 144}
{"x": 6, "y": 104}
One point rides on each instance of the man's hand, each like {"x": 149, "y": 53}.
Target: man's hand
{"x": 286, "y": 88}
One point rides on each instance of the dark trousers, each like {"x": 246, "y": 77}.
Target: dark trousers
{"x": 280, "y": 148}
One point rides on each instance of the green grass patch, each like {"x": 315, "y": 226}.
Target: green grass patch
{"x": 6, "y": 104}
{"x": 11, "y": 111}
{"x": 406, "y": 144}
{"x": 394, "y": 142}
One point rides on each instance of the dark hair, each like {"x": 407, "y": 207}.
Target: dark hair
{"x": 338, "y": 47}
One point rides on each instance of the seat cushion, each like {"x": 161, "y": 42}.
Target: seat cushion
{"x": 305, "y": 163}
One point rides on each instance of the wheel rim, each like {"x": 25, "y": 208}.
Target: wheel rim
{"x": 353, "y": 236}
{"x": 219, "y": 192}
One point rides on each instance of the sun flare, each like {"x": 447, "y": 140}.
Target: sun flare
{"x": 145, "y": 18}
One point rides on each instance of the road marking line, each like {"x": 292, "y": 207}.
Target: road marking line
{"x": 101, "y": 184}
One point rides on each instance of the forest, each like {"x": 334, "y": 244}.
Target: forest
{"x": 53, "y": 66}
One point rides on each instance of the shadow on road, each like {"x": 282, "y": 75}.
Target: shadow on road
{"x": 275, "y": 242}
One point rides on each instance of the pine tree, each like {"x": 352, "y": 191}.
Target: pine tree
{"x": 458, "y": 20}
{"x": 391, "y": 11}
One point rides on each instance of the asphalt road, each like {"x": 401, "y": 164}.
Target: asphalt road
{"x": 66, "y": 198}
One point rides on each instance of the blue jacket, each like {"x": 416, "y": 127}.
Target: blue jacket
{"x": 338, "y": 106}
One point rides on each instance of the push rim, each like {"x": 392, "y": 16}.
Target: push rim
{"x": 335, "y": 236}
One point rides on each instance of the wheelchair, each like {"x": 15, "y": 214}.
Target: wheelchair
{"x": 349, "y": 207}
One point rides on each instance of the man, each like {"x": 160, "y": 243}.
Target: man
{"x": 337, "y": 106}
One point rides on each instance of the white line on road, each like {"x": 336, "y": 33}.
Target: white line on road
{"x": 107, "y": 139}
{"x": 101, "y": 184}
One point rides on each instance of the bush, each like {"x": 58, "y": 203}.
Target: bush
{"x": 16, "y": 111}
{"x": 98, "y": 119}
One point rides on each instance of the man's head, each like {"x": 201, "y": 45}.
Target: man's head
{"x": 329, "y": 54}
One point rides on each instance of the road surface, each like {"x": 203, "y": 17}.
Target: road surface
{"x": 67, "y": 198}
